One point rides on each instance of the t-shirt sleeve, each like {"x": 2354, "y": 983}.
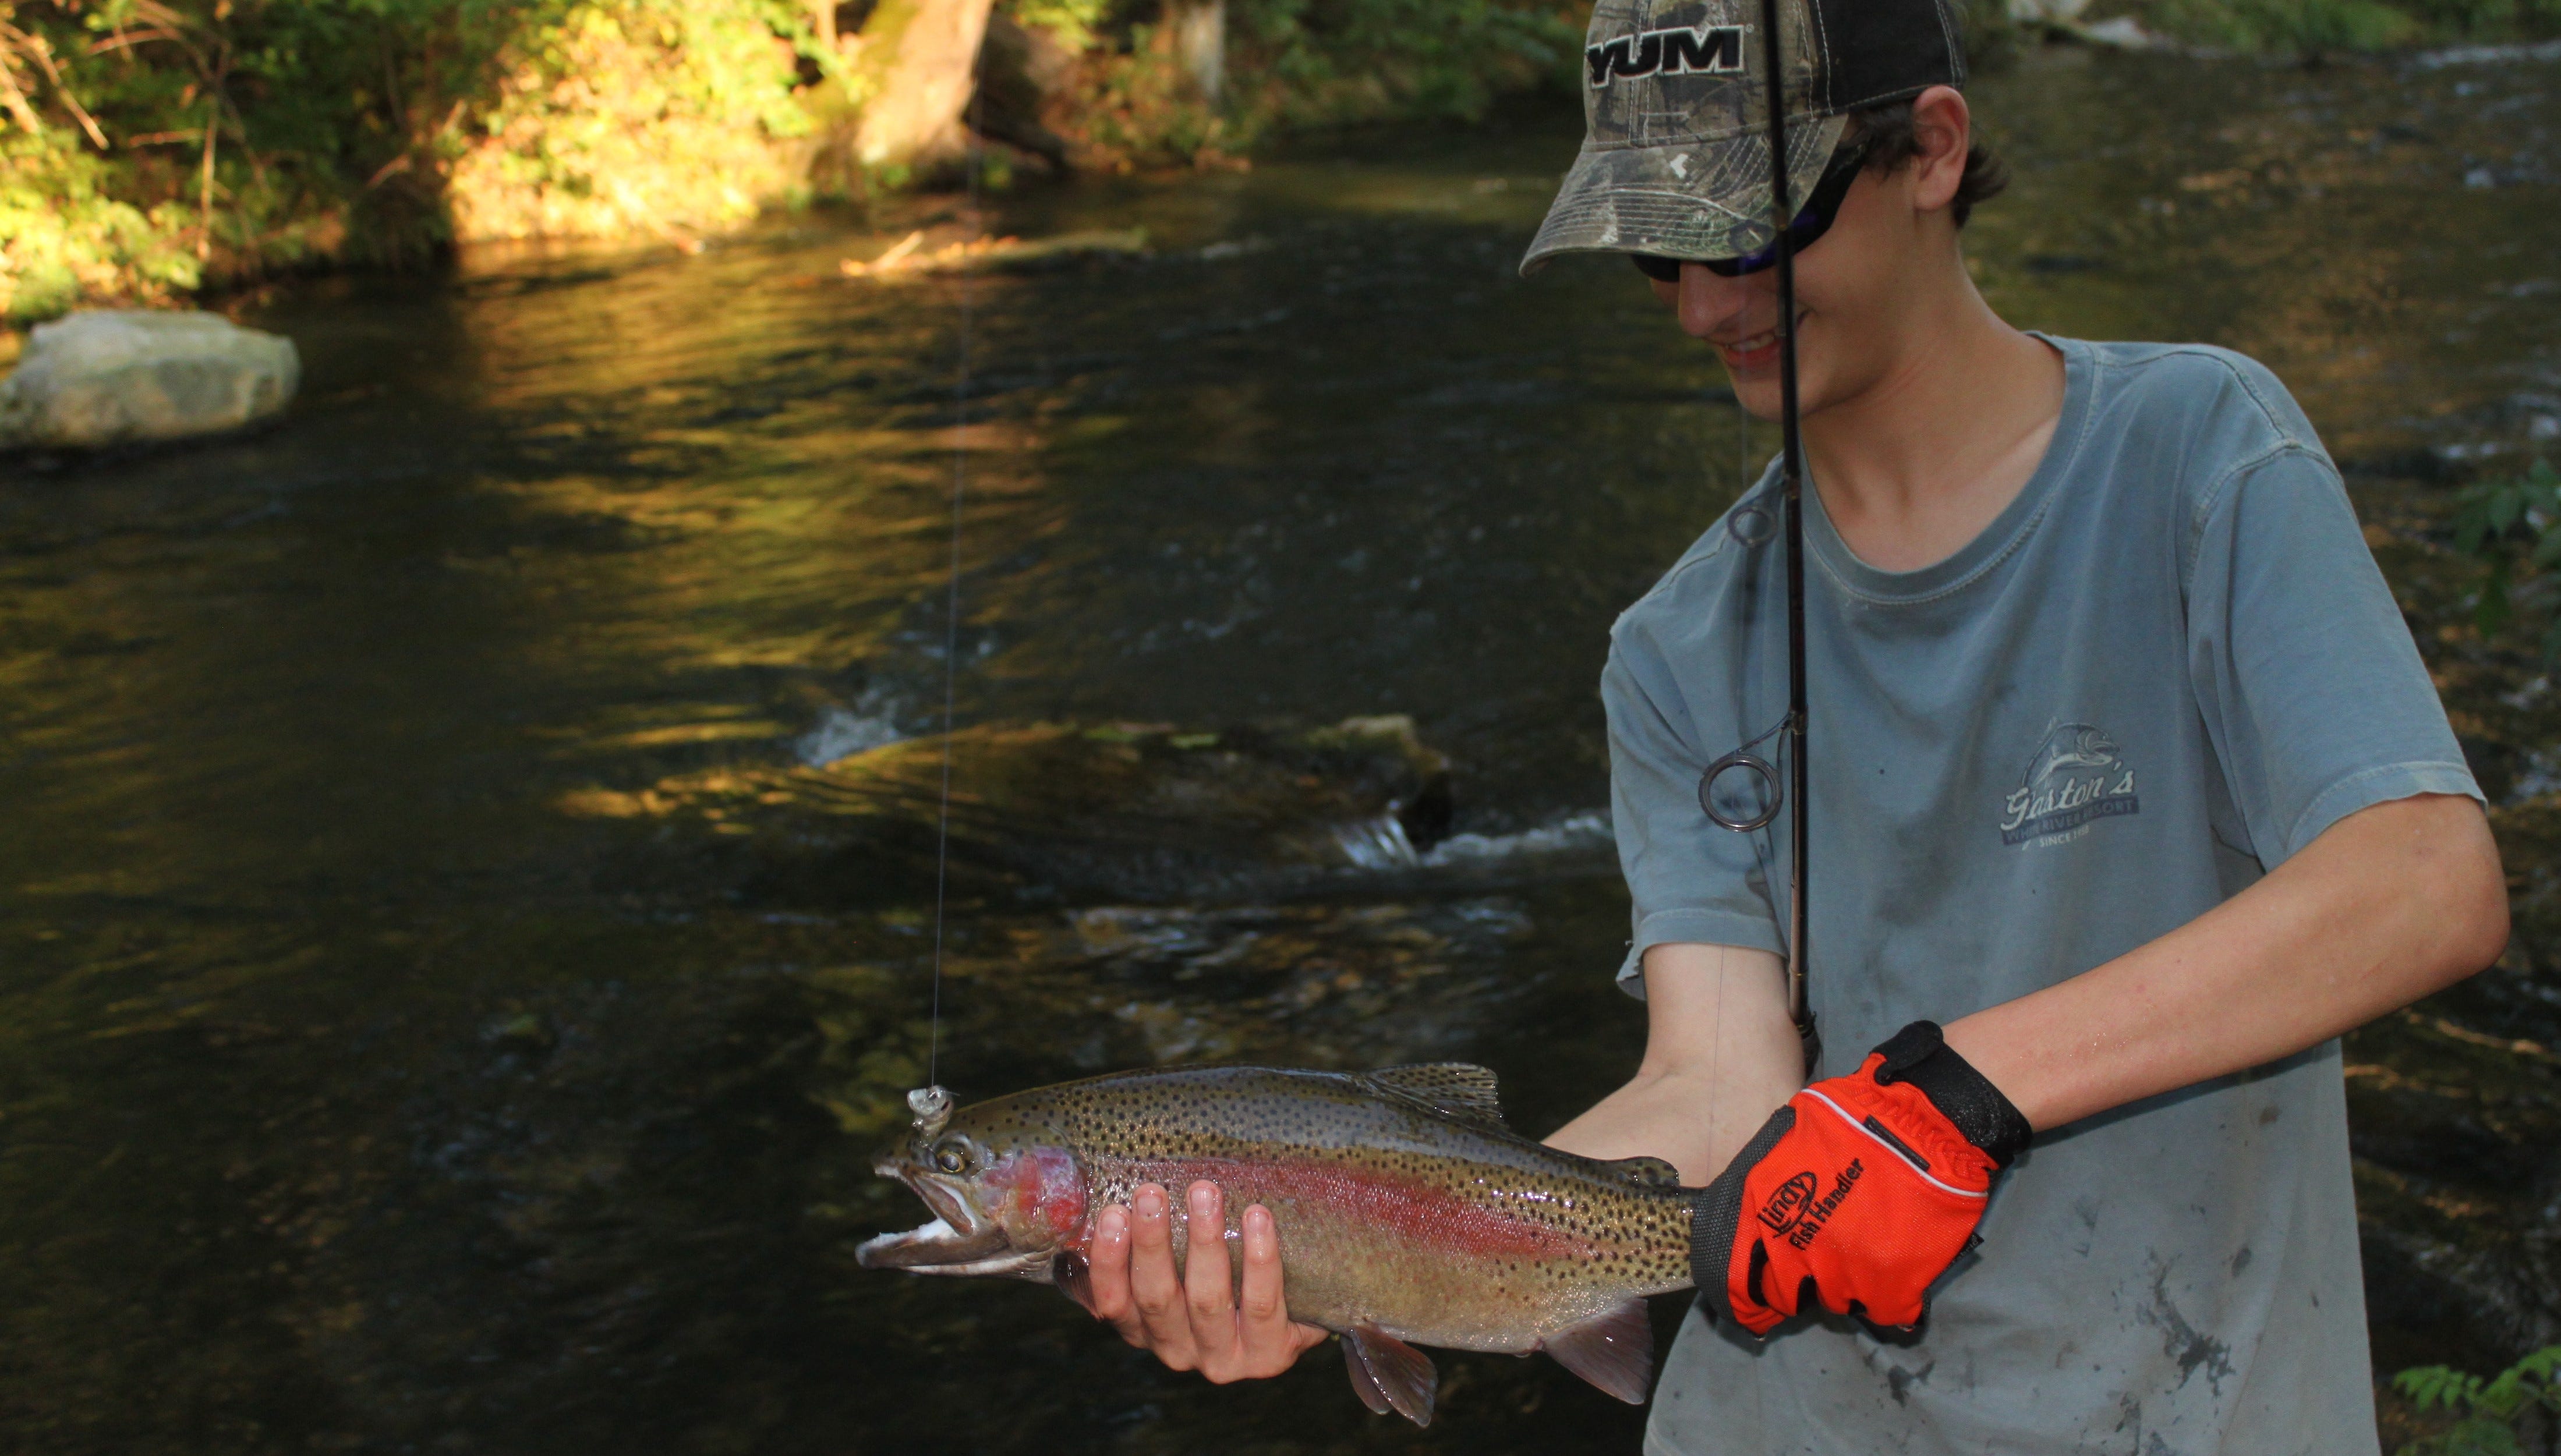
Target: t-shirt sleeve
{"x": 2312, "y": 692}
{"x": 1690, "y": 880}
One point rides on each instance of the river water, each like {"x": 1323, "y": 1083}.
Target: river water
{"x": 468, "y": 908}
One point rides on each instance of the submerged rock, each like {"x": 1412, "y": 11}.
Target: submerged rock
{"x": 906, "y": 258}
{"x": 120, "y": 376}
{"x": 1144, "y": 811}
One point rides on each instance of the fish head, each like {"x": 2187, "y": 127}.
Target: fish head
{"x": 1007, "y": 1195}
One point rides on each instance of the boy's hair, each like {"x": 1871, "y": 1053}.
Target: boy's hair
{"x": 1897, "y": 141}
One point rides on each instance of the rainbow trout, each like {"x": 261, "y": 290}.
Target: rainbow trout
{"x": 1407, "y": 1210}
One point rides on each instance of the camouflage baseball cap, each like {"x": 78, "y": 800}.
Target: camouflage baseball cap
{"x": 1675, "y": 157}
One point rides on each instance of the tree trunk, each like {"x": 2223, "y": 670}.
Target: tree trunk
{"x": 1200, "y": 44}
{"x": 923, "y": 57}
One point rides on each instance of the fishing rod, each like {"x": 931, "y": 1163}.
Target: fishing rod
{"x": 1791, "y": 730}
{"x": 1792, "y": 478}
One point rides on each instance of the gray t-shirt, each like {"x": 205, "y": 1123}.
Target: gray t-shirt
{"x": 2166, "y": 666}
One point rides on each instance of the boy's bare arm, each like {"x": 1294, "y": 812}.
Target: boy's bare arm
{"x": 2391, "y": 904}
{"x": 1720, "y": 1055}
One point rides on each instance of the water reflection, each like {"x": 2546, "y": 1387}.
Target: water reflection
{"x": 470, "y": 900}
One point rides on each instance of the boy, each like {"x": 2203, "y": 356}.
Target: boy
{"x": 2125, "y": 773}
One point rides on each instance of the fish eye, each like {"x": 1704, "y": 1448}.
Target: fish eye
{"x": 951, "y": 1157}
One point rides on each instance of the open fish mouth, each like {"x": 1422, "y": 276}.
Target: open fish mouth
{"x": 956, "y": 1240}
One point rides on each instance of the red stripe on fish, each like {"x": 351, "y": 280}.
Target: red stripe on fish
{"x": 1417, "y": 1209}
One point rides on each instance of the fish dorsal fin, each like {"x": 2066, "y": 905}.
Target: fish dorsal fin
{"x": 1614, "y": 1350}
{"x": 1459, "y": 1088}
{"x": 1650, "y": 1172}
{"x": 1390, "y": 1375}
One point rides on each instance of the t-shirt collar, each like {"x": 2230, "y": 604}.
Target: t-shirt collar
{"x": 1993, "y": 543}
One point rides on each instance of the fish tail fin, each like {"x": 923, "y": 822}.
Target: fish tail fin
{"x": 1390, "y": 1375}
{"x": 1614, "y": 1350}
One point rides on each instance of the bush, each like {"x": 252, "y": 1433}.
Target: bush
{"x": 2302, "y": 27}
{"x": 156, "y": 145}
{"x": 63, "y": 236}
{"x": 1297, "y": 63}
{"x": 656, "y": 115}
{"x": 2513, "y": 528}
{"x": 2487, "y": 1414}
{"x": 2318, "y": 27}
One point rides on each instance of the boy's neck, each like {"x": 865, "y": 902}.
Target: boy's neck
{"x": 1939, "y": 435}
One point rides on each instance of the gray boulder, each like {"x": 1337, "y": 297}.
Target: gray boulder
{"x": 119, "y": 376}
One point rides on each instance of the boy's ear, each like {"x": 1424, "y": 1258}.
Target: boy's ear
{"x": 1944, "y": 129}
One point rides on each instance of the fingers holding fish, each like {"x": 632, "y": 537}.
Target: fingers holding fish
{"x": 1268, "y": 1341}
{"x": 1203, "y": 1317}
{"x": 1240, "y": 1335}
{"x": 1155, "y": 1289}
{"x": 1207, "y": 1292}
{"x": 1108, "y": 1275}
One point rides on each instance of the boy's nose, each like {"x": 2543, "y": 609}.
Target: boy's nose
{"x": 1711, "y": 303}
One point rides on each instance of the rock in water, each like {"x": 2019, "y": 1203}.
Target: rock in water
{"x": 123, "y": 375}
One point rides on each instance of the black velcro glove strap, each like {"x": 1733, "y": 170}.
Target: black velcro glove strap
{"x": 1716, "y": 1217}
{"x": 1919, "y": 1054}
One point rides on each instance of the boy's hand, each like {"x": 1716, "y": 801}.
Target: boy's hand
{"x": 1197, "y": 1320}
{"x": 1858, "y": 1194}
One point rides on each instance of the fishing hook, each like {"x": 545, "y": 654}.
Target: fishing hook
{"x": 933, "y": 1109}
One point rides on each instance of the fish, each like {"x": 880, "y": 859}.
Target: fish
{"x": 1409, "y": 1212}
{"x": 2072, "y": 746}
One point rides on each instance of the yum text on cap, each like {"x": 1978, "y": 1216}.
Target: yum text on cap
{"x": 1679, "y": 50}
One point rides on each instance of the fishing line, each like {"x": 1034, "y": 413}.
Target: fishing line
{"x": 1741, "y": 443}
{"x": 925, "y": 1100}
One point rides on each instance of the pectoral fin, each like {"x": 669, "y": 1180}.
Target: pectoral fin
{"x": 1390, "y": 1375}
{"x": 1614, "y": 1350}
{"x": 1074, "y": 1277}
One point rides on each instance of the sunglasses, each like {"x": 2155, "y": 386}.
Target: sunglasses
{"x": 1809, "y": 225}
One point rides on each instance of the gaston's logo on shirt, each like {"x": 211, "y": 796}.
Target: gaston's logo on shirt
{"x": 2078, "y": 777}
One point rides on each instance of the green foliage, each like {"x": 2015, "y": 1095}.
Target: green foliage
{"x": 63, "y": 235}
{"x": 652, "y": 116}
{"x": 2300, "y": 26}
{"x": 2320, "y": 27}
{"x": 2514, "y": 526}
{"x": 1074, "y": 23}
{"x": 153, "y": 145}
{"x": 149, "y": 147}
{"x": 1302, "y": 63}
{"x": 2488, "y": 1412}
{"x": 1437, "y": 57}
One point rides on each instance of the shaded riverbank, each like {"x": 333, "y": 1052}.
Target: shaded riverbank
{"x": 154, "y": 151}
{"x": 157, "y": 151}
{"x": 361, "y": 1088}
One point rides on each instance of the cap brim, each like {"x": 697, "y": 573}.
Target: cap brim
{"x": 1689, "y": 200}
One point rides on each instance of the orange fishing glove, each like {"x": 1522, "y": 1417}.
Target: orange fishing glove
{"x": 1858, "y": 1194}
